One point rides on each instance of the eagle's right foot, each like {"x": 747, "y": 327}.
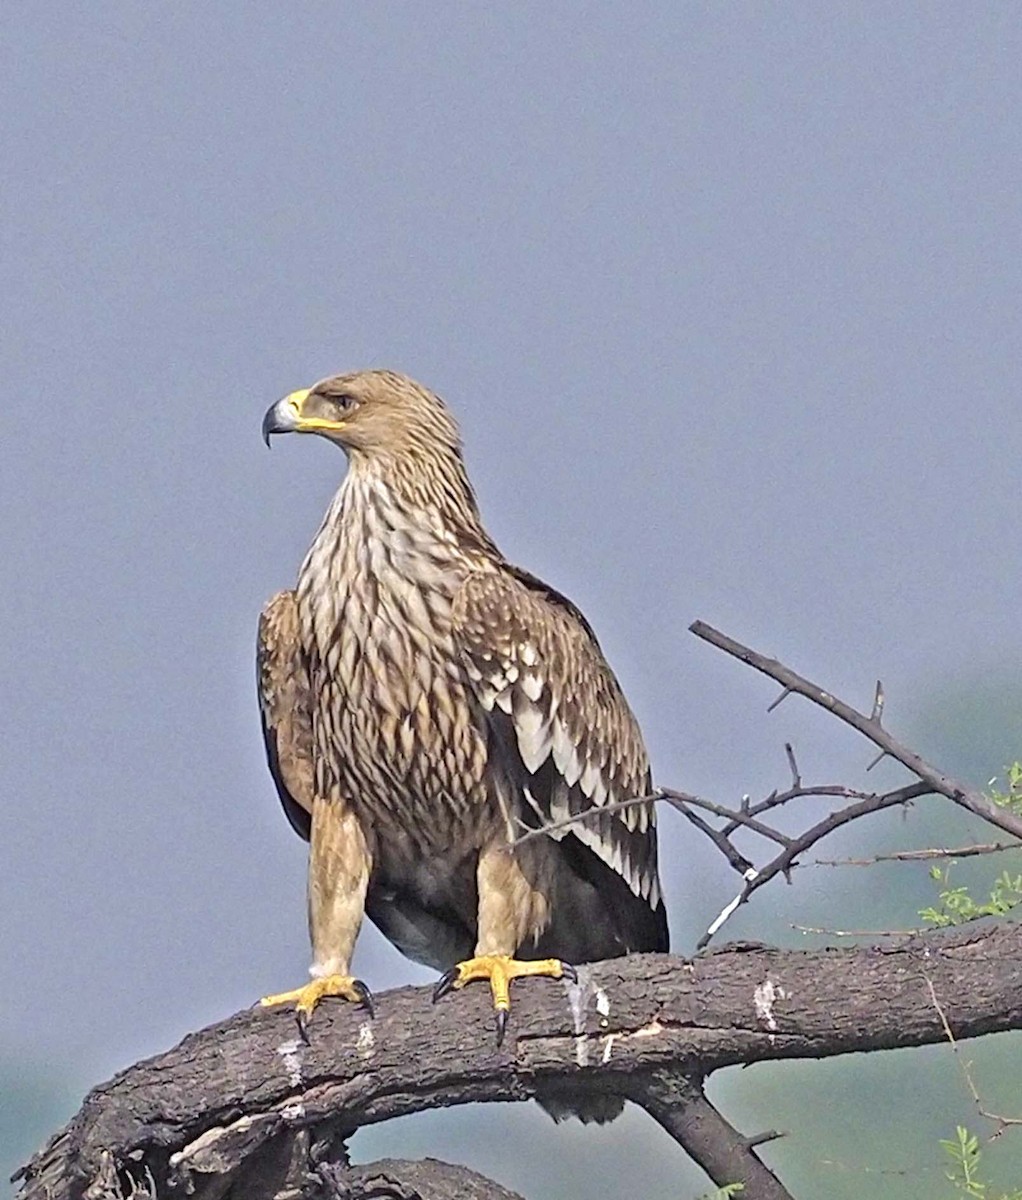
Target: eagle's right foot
{"x": 306, "y": 998}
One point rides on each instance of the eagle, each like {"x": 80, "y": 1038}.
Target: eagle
{"x": 425, "y": 704}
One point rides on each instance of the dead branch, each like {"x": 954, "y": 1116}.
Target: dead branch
{"x": 245, "y": 1108}
{"x": 870, "y": 727}
{"x": 247, "y": 1091}
{"x": 926, "y": 855}
{"x": 783, "y": 862}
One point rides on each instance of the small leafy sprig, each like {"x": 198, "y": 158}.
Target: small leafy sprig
{"x": 966, "y": 1154}
{"x": 1012, "y": 798}
{"x": 957, "y": 906}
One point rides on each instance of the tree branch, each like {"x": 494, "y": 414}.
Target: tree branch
{"x": 247, "y": 1090}
{"x": 796, "y": 846}
{"x": 680, "y": 1106}
{"x": 869, "y": 727}
{"x": 926, "y": 855}
{"x": 398, "y": 1179}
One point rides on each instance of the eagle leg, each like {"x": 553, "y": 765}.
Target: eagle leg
{"x": 339, "y": 866}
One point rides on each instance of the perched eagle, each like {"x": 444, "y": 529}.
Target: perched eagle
{"x": 424, "y": 703}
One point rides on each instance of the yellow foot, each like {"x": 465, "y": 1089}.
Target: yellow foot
{"x": 500, "y": 969}
{"x": 306, "y": 998}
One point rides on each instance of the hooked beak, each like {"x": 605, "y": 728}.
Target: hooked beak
{"x": 286, "y": 415}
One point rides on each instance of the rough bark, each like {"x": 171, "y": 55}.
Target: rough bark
{"x": 397, "y": 1179}
{"x": 244, "y": 1108}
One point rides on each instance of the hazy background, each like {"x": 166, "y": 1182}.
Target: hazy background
{"x": 727, "y": 300}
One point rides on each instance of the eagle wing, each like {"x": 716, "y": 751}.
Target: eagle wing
{"x": 285, "y": 705}
{"x": 562, "y": 733}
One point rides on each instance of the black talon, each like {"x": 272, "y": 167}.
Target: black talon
{"x": 569, "y": 972}
{"x": 445, "y": 983}
{"x": 501, "y": 1023}
{"x": 365, "y": 996}
{"x": 302, "y": 1017}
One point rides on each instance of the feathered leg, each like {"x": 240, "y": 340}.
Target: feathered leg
{"x": 339, "y": 866}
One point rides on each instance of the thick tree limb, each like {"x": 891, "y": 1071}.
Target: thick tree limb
{"x": 396, "y": 1179}
{"x": 247, "y": 1089}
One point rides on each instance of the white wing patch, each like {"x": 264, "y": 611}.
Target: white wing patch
{"x": 566, "y": 712}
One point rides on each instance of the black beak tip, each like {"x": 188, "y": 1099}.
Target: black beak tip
{"x": 267, "y": 428}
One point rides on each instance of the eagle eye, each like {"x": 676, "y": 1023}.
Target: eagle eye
{"x": 344, "y": 402}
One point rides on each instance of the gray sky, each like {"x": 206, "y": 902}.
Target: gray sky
{"x": 726, "y": 299}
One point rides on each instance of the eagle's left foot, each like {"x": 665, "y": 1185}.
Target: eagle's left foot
{"x": 500, "y": 969}
{"x": 309, "y": 996}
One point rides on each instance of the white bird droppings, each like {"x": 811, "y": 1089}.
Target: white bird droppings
{"x": 602, "y": 1006}
{"x": 763, "y": 997}
{"x": 365, "y": 1043}
{"x": 290, "y": 1052}
{"x": 578, "y": 993}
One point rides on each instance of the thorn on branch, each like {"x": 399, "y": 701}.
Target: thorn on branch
{"x": 780, "y": 700}
{"x": 878, "y": 704}
{"x": 796, "y": 778}
{"x": 760, "y": 1139}
{"x": 876, "y": 761}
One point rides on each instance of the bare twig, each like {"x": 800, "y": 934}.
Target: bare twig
{"x": 884, "y": 933}
{"x": 784, "y": 861}
{"x": 720, "y": 839}
{"x": 1001, "y": 1122}
{"x": 590, "y": 814}
{"x": 743, "y": 818}
{"x": 938, "y": 781}
{"x": 801, "y": 792}
{"x": 917, "y": 855}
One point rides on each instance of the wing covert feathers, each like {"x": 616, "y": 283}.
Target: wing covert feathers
{"x": 560, "y": 719}
{"x": 285, "y": 705}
